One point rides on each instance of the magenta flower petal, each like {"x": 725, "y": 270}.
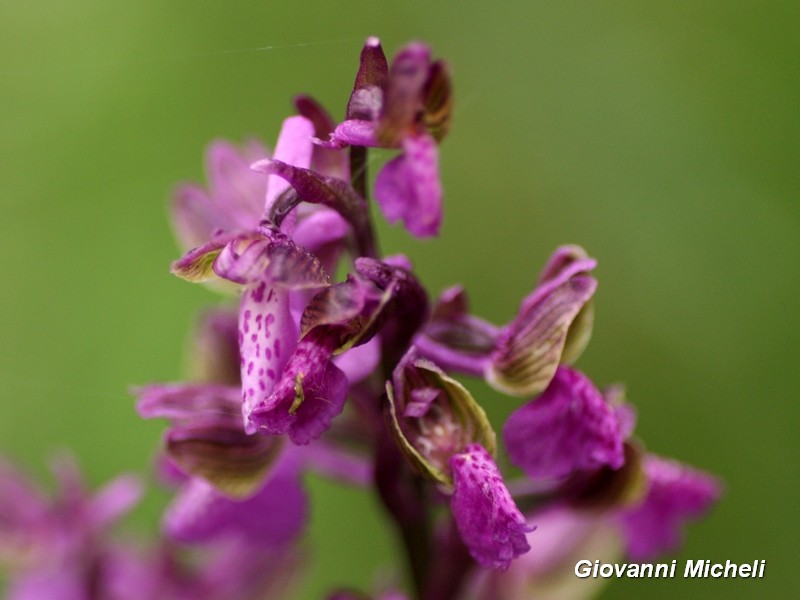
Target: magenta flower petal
{"x": 274, "y": 515}
{"x": 185, "y": 401}
{"x": 194, "y": 215}
{"x": 55, "y": 544}
{"x": 566, "y": 261}
{"x": 563, "y": 532}
{"x": 491, "y": 525}
{"x": 569, "y": 428}
{"x": 553, "y": 326}
{"x": 408, "y": 187}
{"x": 677, "y": 494}
{"x": 432, "y": 417}
{"x": 324, "y": 398}
{"x": 114, "y": 500}
{"x": 310, "y": 393}
{"x": 197, "y": 265}
{"x": 268, "y": 256}
{"x": 404, "y": 98}
{"x": 294, "y": 147}
{"x": 66, "y": 583}
{"x": 267, "y": 335}
{"x": 360, "y": 362}
{"x": 86, "y": 513}
{"x": 233, "y": 201}
{"x": 562, "y": 537}
{"x": 406, "y": 305}
{"x": 312, "y": 390}
{"x": 236, "y": 196}
{"x": 338, "y": 462}
{"x": 353, "y": 132}
{"x": 238, "y": 193}
{"x": 206, "y": 437}
{"x": 27, "y": 527}
{"x": 325, "y": 161}
{"x": 322, "y": 232}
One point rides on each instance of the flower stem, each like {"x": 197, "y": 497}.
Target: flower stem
{"x": 358, "y": 180}
{"x": 453, "y": 564}
{"x": 403, "y": 494}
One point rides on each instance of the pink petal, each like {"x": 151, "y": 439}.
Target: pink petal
{"x": 353, "y": 132}
{"x": 489, "y": 521}
{"x": 677, "y": 493}
{"x": 569, "y": 428}
{"x": 408, "y": 187}
{"x": 267, "y": 336}
{"x": 272, "y": 516}
{"x": 294, "y": 147}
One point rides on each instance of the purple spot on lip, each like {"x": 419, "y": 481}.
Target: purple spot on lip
{"x": 271, "y": 374}
{"x": 268, "y": 353}
{"x": 250, "y": 366}
{"x": 258, "y": 293}
{"x": 277, "y": 347}
{"x": 253, "y": 337}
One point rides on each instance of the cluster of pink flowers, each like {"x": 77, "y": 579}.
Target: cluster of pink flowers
{"x": 357, "y": 379}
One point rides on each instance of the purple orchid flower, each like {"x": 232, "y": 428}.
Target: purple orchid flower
{"x": 311, "y": 390}
{"x": 233, "y": 486}
{"x": 270, "y": 267}
{"x": 562, "y": 537}
{"x": 675, "y": 493}
{"x": 234, "y": 198}
{"x": 56, "y": 546}
{"x": 553, "y": 326}
{"x": 643, "y": 531}
{"x": 272, "y": 517}
{"x": 447, "y": 437}
{"x": 569, "y": 428}
{"x": 206, "y": 437}
{"x": 491, "y": 525}
{"x": 239, "y": 572}
{"x": 404, "y": 106}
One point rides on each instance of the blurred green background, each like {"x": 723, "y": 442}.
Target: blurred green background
{"x": 662, "y": 136}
